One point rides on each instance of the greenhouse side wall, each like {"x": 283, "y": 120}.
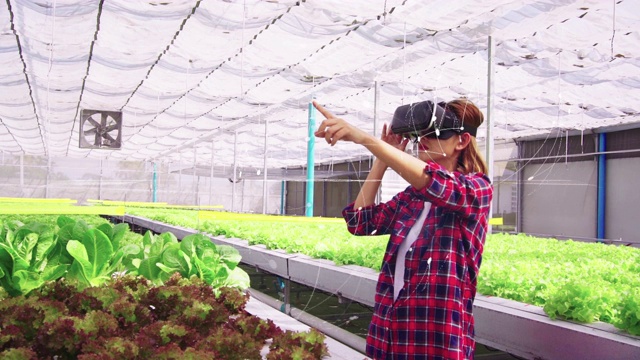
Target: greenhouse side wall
{"x": 560, "y": 199}
{"x": 22, "y": 176}
{"x": 622, "y": 196}
{"x": 336, "y": 185}
{"x": 129, "y": 181}
{"x": 295, "y": 198}
{"x": 559, "y": 186}
{"x": 623, "y": 199}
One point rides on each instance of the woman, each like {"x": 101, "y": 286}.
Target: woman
{"x": 437, "y": 226}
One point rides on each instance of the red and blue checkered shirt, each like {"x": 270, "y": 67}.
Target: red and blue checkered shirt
{"x": 432, "y": 317}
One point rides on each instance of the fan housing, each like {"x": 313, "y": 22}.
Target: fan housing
{"x": 100, "y": 129}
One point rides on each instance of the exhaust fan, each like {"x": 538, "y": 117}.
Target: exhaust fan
{"x": 100, "y": 129}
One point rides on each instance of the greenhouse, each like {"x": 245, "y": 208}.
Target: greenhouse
{"x": 167, "y": 189}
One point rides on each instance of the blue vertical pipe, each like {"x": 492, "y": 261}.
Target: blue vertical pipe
{"x": 310, "y": 161}
{"x": 155, "y": 182}
{"x": 602, "y": 183}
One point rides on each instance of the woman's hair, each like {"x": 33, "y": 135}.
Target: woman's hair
{"x": 470, "y": 160}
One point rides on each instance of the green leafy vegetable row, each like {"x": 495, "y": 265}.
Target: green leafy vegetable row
{"x": 35, "y": 253}
{"x": 572, "y": 280}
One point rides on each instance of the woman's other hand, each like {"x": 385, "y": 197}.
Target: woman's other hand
{"x": 397, "y": 141}
{"x": 334, "y": 129}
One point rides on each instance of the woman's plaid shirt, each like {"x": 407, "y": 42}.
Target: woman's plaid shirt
{"x": 432, "y": 317}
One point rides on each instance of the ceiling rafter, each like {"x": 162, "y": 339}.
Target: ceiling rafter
{"x": 166, "y": 49}
{"x": 26, "y": 77}
{"x": 238, "y": 53}
{"x": 246, "y": 92}
{"x": 84, "y": 78}
{"x": 554, "y": 69}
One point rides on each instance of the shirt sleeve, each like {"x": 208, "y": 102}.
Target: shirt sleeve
{"x": 372, "y": 219}
{"x": 469, "y": 195}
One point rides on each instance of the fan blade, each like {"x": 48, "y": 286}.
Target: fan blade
{"x": 111, "y": 127}
{"x": 107, "y": 136}
{"x": 90, "y": 131}
{"x": 104, "y": 119}
{"x": 93, "y": 122}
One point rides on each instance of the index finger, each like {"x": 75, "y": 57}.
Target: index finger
{"x": 322, "y": 110}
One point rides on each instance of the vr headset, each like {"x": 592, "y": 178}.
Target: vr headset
{"x": 425, "y": 118}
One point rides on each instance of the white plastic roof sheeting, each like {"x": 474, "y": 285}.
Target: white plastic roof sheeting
{"x": 189, "y": 74}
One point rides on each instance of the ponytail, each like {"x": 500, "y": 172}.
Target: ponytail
{"x": 469, "y": 160}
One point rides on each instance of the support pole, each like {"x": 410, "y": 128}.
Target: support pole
{"x": 195, "y": 177}
{"x": 179, "y": 171}
{"x": 46, "y": 186}
{"x": 264, "y": 170}
{"x": 155, "y": 183}
{"x": 376, "y": 101}
{"x": 213, "y": 147}
{"x": 100, "y": 181}
{"x": 310, "y": 161}
{"x": 489, "y": 137}
{"x": 282, "y": 197}
{"x": 235, "y": 168}
{"x": 602, "y": 184}
{"x": 22, "y": 192}
{"x": 284, "y": 285}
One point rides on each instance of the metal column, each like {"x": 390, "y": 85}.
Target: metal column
{"x": 264, "y": 170}
{"x": 235, "y": 168}
{"x": 213, "y": 147}
{"x": 489, "y": 137}
{"x": 155, "y": 183}
{"x": 602, "y": 184}
{"x": 22, "y": 174}
{"x": 195, "y": 177}
{"x": 310, "y": 161}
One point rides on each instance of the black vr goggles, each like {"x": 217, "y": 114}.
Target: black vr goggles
{"x": 428, "y": 119}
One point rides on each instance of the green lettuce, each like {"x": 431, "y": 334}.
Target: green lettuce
{"x": 27, "y": 257}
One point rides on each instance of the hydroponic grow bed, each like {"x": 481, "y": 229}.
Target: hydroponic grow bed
{"x": 518, "y": 328}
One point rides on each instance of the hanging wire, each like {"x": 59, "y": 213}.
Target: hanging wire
{"x": 613, "y": 27}
{"x": 244, "y": 18}
{"x": 404, "y": 58}
{"x": 384, "y": 14}
{"x": 186, "y": 89}
{"x": 157, "y": 112}
{"x": 50, "y": 66}
{"x": 566, "y": 148}
{"x": 555, "y": 140}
